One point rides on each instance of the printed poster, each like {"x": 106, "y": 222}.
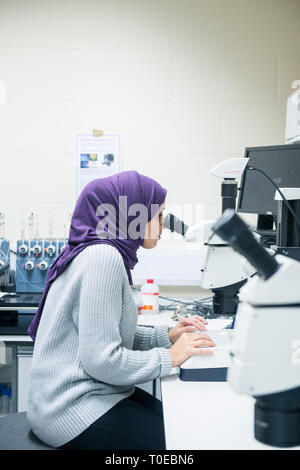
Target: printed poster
{"x": 96, "y": 157}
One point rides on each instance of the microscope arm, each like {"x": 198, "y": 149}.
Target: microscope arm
{"x": 222, "y": 265}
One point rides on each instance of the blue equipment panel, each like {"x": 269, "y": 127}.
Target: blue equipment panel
{"x": 34, "y": 258}
{"x": 4, "y": 261}
{"x": 4, "y": 252}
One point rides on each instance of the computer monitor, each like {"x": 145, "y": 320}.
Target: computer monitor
{"x": 282, "y": 164}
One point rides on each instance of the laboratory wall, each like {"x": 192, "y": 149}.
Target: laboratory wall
{"x": 185, "y": 83}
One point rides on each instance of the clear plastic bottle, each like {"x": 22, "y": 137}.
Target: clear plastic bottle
{"x": 5, "y": 401}
{"x": 10, "y": 400}
{"x": 150, "y": 296}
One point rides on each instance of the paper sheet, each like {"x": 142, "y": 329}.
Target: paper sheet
{"x": 96, "y": 157}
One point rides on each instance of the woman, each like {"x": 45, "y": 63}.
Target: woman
{"x": 89, "y": 352}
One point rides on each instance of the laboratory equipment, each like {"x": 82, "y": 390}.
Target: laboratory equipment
{"x": 229, "y": 171}
{"x": 224, "y": 272}
{"x": 210, "y": 367}
{"x": 270, "y": 170}
{"x": 281, "y": 163}
{"x": 36, "y": 254}
{"x": 288, "y": 231}
{"x": 263, "y": 170}
{"x": 5, "y": 399}
{"x": 174, "y": 224}
{"x": 265, "y": 355}
{"x": 4, "y": 255}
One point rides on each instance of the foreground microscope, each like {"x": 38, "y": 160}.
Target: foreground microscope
{"x": 266, "y": 347}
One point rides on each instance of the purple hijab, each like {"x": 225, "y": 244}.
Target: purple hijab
{"x": 138, "y": 189}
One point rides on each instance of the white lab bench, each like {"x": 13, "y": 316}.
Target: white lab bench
{"x": 205, "y": 415}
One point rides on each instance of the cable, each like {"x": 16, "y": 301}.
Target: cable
{"x": 187, "y": 307}
{"x": 175, "y": 300}
{"x": 280, "y": 192}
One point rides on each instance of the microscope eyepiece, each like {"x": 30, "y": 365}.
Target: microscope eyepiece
{"x": 174, "y": 224}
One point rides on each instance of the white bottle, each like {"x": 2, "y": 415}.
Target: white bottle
{"x": 150, "y": 296}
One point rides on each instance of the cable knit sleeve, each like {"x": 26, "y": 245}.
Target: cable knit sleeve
{"x": 147, "y": 337}
{"x": 106, "y": 338}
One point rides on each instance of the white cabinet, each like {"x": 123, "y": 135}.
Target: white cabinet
{"x": 24, "y": 357}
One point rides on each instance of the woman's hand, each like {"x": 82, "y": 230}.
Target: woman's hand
{"x": 187, "y": 325}
{"x": 190, "y": 344}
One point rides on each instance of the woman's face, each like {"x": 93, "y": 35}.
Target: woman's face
{"x": 154, "y": 228}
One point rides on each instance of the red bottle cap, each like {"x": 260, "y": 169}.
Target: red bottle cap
{"x": 150, "y": 281}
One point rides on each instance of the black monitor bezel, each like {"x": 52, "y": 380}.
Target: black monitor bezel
{"x": 241, "y": 188}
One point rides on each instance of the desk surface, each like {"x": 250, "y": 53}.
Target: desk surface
{"x": 207, "y": 415}
{"x": 13, "y": 339}
{"x": 21, "y": 300}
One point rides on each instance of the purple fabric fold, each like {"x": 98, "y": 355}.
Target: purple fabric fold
{"x": 86, "y": 224}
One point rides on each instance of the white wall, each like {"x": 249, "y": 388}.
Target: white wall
{"x": 185, "y": 83}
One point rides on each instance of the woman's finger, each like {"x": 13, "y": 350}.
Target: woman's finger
{"x": 198, "y": 316}
{"x": 181, "y": 323}
{"x": 201, "y": 319}
{"x": 204, "y": 351}
{"x": 205, "y": 342}
{"x": 191, "y": 321}
{"x": 199, "y": 324}
{"x": 201, "y": 336}
{"x": 185, "y": 321}
{"x": 188, "y": 329}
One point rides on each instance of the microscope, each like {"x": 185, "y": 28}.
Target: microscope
{"x": 265, "y": 352}
{"x": 224, "y": 271}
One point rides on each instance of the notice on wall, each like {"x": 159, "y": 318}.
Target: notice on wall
{"x": 96, "y": 157}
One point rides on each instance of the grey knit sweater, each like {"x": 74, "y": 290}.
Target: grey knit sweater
{"x": 89, "y": 352}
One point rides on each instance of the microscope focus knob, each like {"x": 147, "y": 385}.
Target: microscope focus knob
{"x": 29, "y": 265}
{"x": 23, "y": 249}
{"x": 43, "y": 265}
